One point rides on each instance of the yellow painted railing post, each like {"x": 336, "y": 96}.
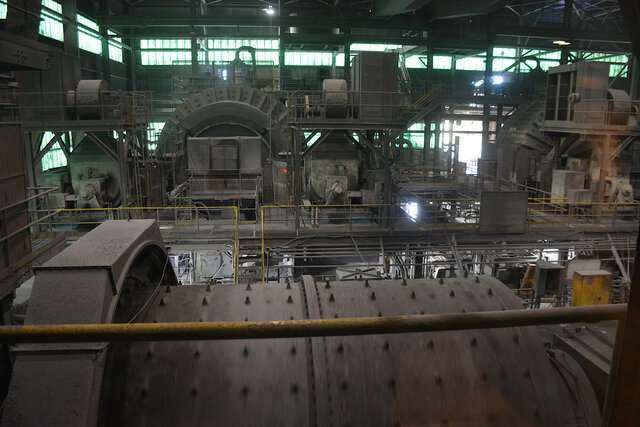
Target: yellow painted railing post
{"x": 237, "y": 248}
{"x": 262, "y": 238}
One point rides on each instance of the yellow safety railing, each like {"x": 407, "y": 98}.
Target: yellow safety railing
{"x": 439, "y": 213}
{"x": 422, "y": 99}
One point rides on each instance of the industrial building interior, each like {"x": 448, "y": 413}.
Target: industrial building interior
{"x": 278, "y": 213}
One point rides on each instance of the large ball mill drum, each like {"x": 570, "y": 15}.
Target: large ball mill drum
{"x": 498, "y": 376}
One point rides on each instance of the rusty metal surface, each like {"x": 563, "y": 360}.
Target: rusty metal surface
{"x": 12, "y": 190}
{"x": 424, "y": 379}
{"x": 96, "y": 280}
{"x": 260, "y": 383}
{"x": 476, "y": 377}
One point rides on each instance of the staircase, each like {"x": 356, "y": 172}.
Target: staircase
{"x": 404, "y": 79}
{"x": 249, "y": 264}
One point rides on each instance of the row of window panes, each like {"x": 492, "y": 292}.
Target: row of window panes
{"x": 308, "y": 58}
{"x": 271, "y": 44}
{"x": 165, "y": 44}
{"x": 165, "y": 57}
{"x": 274, "y": 44}
{"x": 50, "y": 24}
{"x": 440, "y": 62}
{"x": 115, "y": 46}
{"x": 163, "y": 52}
{"x": 474, "y": 63}
{"x": 223, "y": 56}
{"x": 89, "y": 36}
{"x": 88, "y": 33}
{"x": 471, "y": 63}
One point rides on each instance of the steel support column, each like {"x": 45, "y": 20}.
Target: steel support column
{"x": 621, "y": 405}
{"x": 387, "y": 196}
{"x": 122, "y": 166}
{"x": 486, "y": 108}
{"x": 347, "y": 56}
{"x": 631, "y": 12}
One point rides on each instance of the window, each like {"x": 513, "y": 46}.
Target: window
{"x": 223, "y": 51}
{"x": 308, "y": 58}
{"x": 545, "y": 65}
{"x": 504, "y": 52}
{"x": 3, "y": 9}
{"x": 339, "y": 59}
{"x": 415, "y": 134}
{"x": 51, "y": 24}
{"x": 89, "y": 35}
{"x": 416, "y": 61}
{"x": 618, "y": 69}
{"x": 165, "y": 52}
{"x": 442, "y": 62}
{"x": 115, "y": 46}
{"x": 618, "y": 63}
{"x": 556, "y": 54}
{"x": 313, "y": 139}
{"x": 55, "y": 157}
{"x": 471, "y": 63}
{"x": 153, "y": 133}
{"x": 501, "y": 64}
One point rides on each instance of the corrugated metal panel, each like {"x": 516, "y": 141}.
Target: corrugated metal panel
{"x": 12, "y": 190}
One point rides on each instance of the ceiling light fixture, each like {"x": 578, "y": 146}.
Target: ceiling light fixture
{"x": 561, "y": 42}
{"x": 269, "y": 11}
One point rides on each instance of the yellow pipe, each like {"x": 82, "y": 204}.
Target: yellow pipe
{"x": 308, "y": 327}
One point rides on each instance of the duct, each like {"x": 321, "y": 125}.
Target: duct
{"x": 87, "y": 99}
{"x": 335, "y": 98}
{"x": 450, "y": 9}
{"x": 397, "y": 7}
{"x": 438, "y": 9}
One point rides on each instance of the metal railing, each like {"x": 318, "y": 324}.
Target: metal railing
{"x": 176, "y": 223}
{"x": 124, "y": 107}
{"x": 443, "y": 214}
{"x": 36, "y": 216}
{"x": 310, "y": 105}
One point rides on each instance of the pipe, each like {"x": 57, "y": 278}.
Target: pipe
{"x": 307, "y": 328}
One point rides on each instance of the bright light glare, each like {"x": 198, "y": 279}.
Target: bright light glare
{"x": 561, "y": 42}
{"x": 411, "y": 209}
{"x": 269, "y": 11}
{"x": 497, "y": 80}
{"x": 478, "y": 83}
